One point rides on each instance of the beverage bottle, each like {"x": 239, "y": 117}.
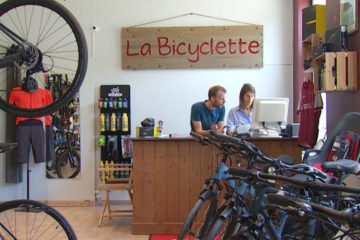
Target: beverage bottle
{"x": 107, "y": 122}
{"x": 120, "y": 102}
{"x": 110, "y": 104}
{"x": 111, "y": 172}
{"x": 118, "y": 122}
{"x": 107, "y": 171}
{"x": 113, "y": 122}
{"x": 105, "y": 104}
{"x": 115, "y": 103}
{"x": 102, "y": 122}
{"x": 100, "y": 103}
{"x": 125, "y": 103}
{"x": 101, "y": 173}
{"x": 125, "y": 122}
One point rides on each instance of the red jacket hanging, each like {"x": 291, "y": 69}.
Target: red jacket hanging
{"x": 309, "y": 110}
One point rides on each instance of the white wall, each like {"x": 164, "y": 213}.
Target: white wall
{"x": 162, "y": 94}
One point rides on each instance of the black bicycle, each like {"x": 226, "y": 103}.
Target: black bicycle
{"x": 264, "y": 223}
{"x": 67, "y": 161}
{"x": 39, "y": 37}
{"x": 341, "y": 220}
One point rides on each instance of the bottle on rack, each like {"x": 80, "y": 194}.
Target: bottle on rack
{"x": 111, "y": 166}
{"x": 125, "y": 103}
{"x": 107, "y": 171}
{"x": 102, "y": 122}
{"x": 105, "y": 104}
{"x": 120, "y": 102}
{"x": 125, "y": 122}
{"x": 110, "y": 104}
{"x": 101, "y": 173}
{"x": 100, "y": 103}
{"x": 107, "y": 122}
{"x": 113, "y": 122}
{"x": 115, "y": 103}
{"x": 118, "y": 122}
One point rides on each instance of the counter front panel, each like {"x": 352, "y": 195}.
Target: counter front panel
{"x": 170, "y": 172}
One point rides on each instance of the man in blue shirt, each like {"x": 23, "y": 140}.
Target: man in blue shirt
{"x": 242, "y": 114}
{"x": 209, "y": 115}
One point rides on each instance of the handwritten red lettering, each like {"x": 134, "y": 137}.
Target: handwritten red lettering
{"x": 145, "y": 49}
{"x": 161, "y": 50}
{"x": 127, "y": 49}
{"x": 194, "y": 51}
{"x": 220, "y": 45}
{"x": 201, "y": 48}
{"x": 253, "y": 44}
{"x": 182, "y": 44}
{"x": 241, "y": 43}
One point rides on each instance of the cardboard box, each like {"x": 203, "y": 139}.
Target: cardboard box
{"x": 313, "y": 20}
{"x": 147, "y": 132}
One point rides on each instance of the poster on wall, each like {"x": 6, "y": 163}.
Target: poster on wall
{"x": 192, "y": 47}
{"x": 349, "y": 15}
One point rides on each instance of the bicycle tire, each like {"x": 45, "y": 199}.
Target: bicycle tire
{"x": 224, "y": 226}
{"x": 206, "y": 206}
{"x": 34, "y": 220}
{"x": 69, "y": 56}
{"x": 63, "y": 164}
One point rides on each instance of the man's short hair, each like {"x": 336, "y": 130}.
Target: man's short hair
{"x": 214, "y": 90}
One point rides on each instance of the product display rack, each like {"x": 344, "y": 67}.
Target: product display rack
{"x": 114, "y": 139}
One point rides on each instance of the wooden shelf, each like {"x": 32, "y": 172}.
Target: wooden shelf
{"x": 308, "y": 45}
{"x": 339, "y": 70}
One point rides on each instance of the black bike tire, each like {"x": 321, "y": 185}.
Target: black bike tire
{"x": 83, "y": 59}
{"x": 211, "y": 196}
{"x": 62, "y": 156}
{"x": 46, "y": 209}
{"x": 220, "y": 221}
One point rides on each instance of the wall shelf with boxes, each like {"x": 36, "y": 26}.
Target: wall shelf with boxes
{"x": 325, "y": 53}
{"x": 335, "y": 71}
{"x": 308, "y": 45}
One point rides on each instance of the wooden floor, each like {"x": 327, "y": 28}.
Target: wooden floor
{"x": 84, "y": 222}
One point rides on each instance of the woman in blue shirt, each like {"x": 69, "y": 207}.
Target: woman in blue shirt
{"x": 242, "y": 114}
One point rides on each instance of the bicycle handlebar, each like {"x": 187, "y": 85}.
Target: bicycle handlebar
{"x": 7, "y": 146}
{"x": 299, "y": 182}
{"x": 286, "y": 201}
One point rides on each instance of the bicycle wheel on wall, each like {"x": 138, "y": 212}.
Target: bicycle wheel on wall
{"x": 27, "y": 219}
{"x": 52, "y": 42}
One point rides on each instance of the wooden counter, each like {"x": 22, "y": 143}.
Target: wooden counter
{"x": 169, "y": 173}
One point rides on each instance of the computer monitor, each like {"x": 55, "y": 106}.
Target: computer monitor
{"x": 270, "y": 115}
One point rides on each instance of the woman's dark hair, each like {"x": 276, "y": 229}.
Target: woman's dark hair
{"x": 247, "y": 87}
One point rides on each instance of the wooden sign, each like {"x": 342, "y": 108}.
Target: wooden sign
{"x": 192, "y": 47}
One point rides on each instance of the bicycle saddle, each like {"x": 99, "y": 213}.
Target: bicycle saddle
{"x": 345, "y": 165}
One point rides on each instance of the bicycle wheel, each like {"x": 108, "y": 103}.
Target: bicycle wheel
{"x": 52, "y": 42}
{"x": 224, "y": 226}
{"x": 27, "y": 219}
{"x": 199, "y": 220}
{"x": 68, "y": 165}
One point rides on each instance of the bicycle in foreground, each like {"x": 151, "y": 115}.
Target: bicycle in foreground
{"x": 262, "y": 222}
{"x": 232, "y": 220}
{"x": 342, "y": 222}
{"x": 208, "y": 209}
{"x": 37, "y": 37}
